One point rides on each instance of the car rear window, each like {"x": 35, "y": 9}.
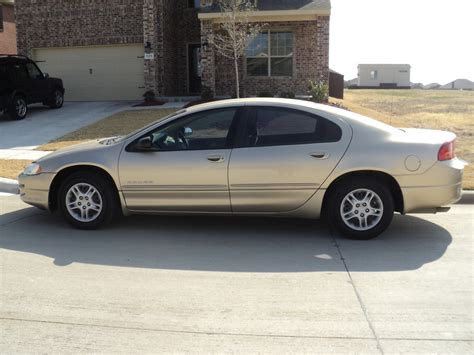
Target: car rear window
{"x": 267, "y": 126}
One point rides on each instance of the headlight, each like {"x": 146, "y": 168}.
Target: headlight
{"x": 32, "y": 169}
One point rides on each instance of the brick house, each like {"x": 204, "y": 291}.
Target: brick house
{"x": 7, "y": 27}
{"x": 118, "y": 49}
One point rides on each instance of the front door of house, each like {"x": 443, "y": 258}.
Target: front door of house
{"x": 194, "y": 68}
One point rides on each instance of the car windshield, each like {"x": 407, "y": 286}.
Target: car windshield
{"x": 123, "y": 138}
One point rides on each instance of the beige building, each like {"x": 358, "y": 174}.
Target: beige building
{"x": 385, "y": 76}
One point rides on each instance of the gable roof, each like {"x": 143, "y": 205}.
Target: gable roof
{"x": 313, "y": 6}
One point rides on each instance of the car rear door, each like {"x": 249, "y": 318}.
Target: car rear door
{"x": 283, "y": 157}
{"x": 4, "y": 86}
{"x": 186, "y": 169}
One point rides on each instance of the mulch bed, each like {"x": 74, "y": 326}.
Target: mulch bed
{"x": 150, "y": 103}
{"x": 199, "y": 102}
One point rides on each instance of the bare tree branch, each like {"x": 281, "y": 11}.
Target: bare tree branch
{"x": 235, "y": 31}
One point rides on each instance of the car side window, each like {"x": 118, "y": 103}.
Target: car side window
{"x": 268, "y": 126}
{"x": 19, "y": 72}
{"x": 200, "y": 131}
{"x": 33, "y": 71}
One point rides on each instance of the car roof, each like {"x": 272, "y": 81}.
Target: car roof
{"x": 10, "y": 58}
{"x": 351, "y": 118}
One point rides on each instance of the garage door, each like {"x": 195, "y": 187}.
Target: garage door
{"x": 96, "y": 73}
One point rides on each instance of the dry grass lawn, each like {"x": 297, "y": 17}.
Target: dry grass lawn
{"x": 444, "y": 110}
{"x": 119, "y": 124}
{"x": 10, "y": 169}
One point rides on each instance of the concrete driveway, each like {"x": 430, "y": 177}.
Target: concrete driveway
{"x": 189, "y": 284}
{"x": 43, "y": 124}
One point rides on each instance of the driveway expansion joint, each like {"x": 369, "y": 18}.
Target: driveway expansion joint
{"x": 359, "y": 298}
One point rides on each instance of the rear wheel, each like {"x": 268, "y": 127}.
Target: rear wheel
{"x": 361, "y": 209}
{"x": 18, "y": 108}
{"x": 86, "y": 201}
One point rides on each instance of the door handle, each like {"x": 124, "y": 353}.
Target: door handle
{"x": 215, "y": 158}
{"x": 320, "y": 155}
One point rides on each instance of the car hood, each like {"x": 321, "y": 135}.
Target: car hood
{"x": 77, "y": 149}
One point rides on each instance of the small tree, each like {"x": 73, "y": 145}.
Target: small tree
{"x": 235, "y": 32}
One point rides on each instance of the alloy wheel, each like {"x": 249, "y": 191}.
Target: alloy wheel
{"x": 84, "y": 202}
{"x": 361, "y": 209}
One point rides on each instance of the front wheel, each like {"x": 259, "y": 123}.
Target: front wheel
{"x": 57, "y": 99}
{"x": 86, "y": 201}
{"x": 361, "y": 209}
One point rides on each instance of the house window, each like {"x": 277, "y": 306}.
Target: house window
{"x": 374, "y": 75}
{"x": 270, "y": 54}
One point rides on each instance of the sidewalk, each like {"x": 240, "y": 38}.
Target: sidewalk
{"x": 22, "y": 153}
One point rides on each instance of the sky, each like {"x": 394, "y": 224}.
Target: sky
{"x": 436, "y": 37}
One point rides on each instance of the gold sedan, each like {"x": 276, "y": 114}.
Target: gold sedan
{"x": 269, "y": 157}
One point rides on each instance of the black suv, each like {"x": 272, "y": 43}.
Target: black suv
{"x": 23, "y": 83}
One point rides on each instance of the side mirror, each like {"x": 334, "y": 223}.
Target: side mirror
{"x": 45, "y": 75}
{"x": 188, "y": 131}
{"x": 144, "y": 144}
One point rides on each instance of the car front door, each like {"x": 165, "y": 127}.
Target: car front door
{"x": 181, "y": 166}
{"x": 282, "y": 159}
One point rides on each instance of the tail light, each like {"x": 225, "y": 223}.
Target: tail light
{"x": 446, "y": 152}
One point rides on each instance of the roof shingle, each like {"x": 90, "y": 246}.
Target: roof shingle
{"x": 281, "y": 5}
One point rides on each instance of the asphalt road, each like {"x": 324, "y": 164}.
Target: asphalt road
{"x": 182, "y": 284}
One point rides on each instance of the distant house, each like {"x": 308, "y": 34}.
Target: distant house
{"x": 7, "y": 27}
{"x": 459, "y": 84}
{"x": 384, "y": 76}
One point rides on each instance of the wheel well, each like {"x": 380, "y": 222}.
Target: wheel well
{"x": 65, "y": 173}
{"x": 387, "y": 179}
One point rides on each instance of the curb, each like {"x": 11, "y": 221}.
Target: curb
{"x": 467, "y": 198}
{"x": 9, "y": 186}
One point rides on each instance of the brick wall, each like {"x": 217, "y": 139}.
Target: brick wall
{"x": 63, "y": 23}
{"x": 310, "y": 61}
{"x": 188, "y": 31}
{"x": 8, "y": 35}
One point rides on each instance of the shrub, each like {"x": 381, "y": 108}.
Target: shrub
{"x": 265, "y": 94}
{"x": 319, "y": 91}
{"x": 287, "y": 95}
{"x": 206, "y": 93}
{"x": 149, "y": 96}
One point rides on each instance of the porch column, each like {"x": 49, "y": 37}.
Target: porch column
{"x": 208, "y": 58}
{"x": 150, "y": 36}
{"x": 323, "y": 48}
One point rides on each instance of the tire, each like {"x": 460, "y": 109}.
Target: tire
{"x": 348, "y": 206}
{"x": 57, "y": 99}
{"x": 86, "y": 201}
{"x": 19, "y": 108}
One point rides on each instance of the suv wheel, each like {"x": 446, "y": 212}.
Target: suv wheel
{"x": 361, "y": 209}
{"x": 19, "y": 108}
{"x": 57, "y": 99}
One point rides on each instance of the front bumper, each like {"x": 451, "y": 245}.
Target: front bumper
{"x": 34, "y": 190}
{"x": 439, "y": 186}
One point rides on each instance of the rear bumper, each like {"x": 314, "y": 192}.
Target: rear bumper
{"x": 34, "y": 190}
{"x": 439, "y": 186}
